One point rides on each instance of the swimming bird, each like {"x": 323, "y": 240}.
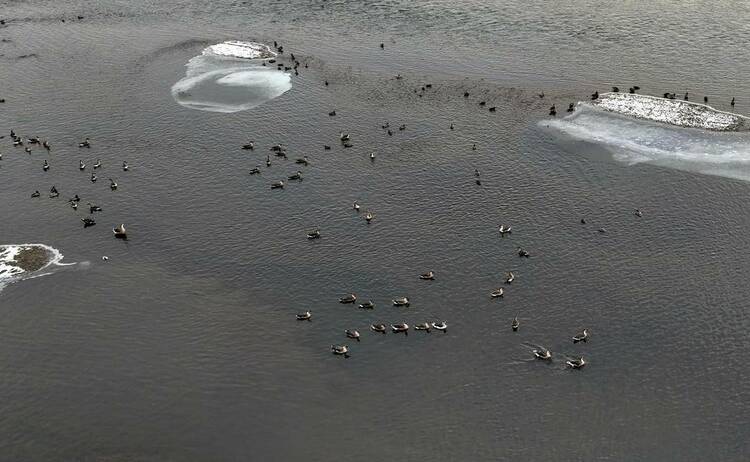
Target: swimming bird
{"x": 28, "y": 150}
{"x": 74, "y": 205}
{"x": 686, "y": 96}
{"x": 705, "y": 99}
{"x": 499, "y": 292}
{"x": 341, "y": 350}
{"x": 326, "y": 147}
{"x": 378, "y": 328}
{"x": 296, "y": 176}
{"x": 93, "y": 177}
{"x": 493, "y": 109}
{"x": 474, "y": 147}
{"x": 35, "y": 194}
{"x": 466, "y": 94}
{"x": 34, "y": 140}
{"x": 112, "y": 184}
{"x": 542, "y": 353}
{"x": 344, "y": 136}
{"x": 382, "y": 46}
{"x": 451, "y": 126}
{"x": 428, "y": 276}
{"x": 88, "y": 222}
{"x": 505, "y": 230}
{"x": 540, "y": 95}
{"x": 602, "y": 230}
{"x": 356, "y": 206}
{"x": 249, "y": 146}
{"x": 255, "y": 171}
{"x": 332, "y": 113}
{"x": 306, "y": 316}
{"x": 441, "y": 326}
{"x": 510, "y": 277}
{"x": 595, "y": 96}
{"x": 125, "y": 166}
{"x": 581, "y": 336}
{"x": 372, "y": 156}
{"x": 45, "y": 167}
{"x": 424, "y": 326}
{"x": 105, "y": 258}
{"x": 277, "y": 148}
{"x": 352, "y": 334}
{"x": 732, "y": 102}
{"x": 93, "y": 208}
{"x": 615, "y": 89}
{"x": 638, "y": 213}
{"x": 351, "y": 298}
{"x": 85, "y": 143}
{"x": 482, "y": 103}
{"x": 75, "y": 198}
{"x": 277, "y": 185}
{"x": 369, "y": 216}
{"x": 401, "y": 301}
{"x": 119, "y": 231}
{"x": 81, "y": 165}
{"x": 304, "y": 161}
{"x": 523, "y": 253}
{"x": 515, "y": 324}
{"x": 268, "y": 161}
{"x": 326, "y": 82}
{"x": 314, "y": 234}
{"x": 552, "y": 110}
{"x": 575, "y": 363}
{"x": 403, "y": 327}
{"x": 583, "y": 221}
{"x": 571, "y": 107}
{"x": 368, "y": 305}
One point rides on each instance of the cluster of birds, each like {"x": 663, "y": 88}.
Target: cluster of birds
{"x": 27, "y": 143}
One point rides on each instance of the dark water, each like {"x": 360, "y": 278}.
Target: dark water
{"x": 183, "y": 346}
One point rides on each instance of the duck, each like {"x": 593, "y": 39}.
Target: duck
{"x": 356, "y": 206}
{"x": 85, "y": 143}
{"x": 296, "y": 176}
{"x": 523, "y": 253}
{"x": 731, "y": 103}
{"x": 119, "y": 231}
{"x": 93, "y": 177}
{"x": 615, "y": 89}
{"x": 255, "y": 171}
{"x": 75, "y": 198}
{"x": 505, "y": 230}
{"x": 74, "y": 205}
{"x": 493, "y": 109}
{"x": 306, "y": 316}
{"x": 378, "y": 328}
{"x": 466, "y": 94}
{"x": 340, "y": 350}
{"x": 302, "y": 161}
{"x": 125, "y": 166}
{"x": 638, "y": 213}
{"x": 249, "y": 146}
{"x": 314, "y": 234}
{"x": 581, "y": 336}
{"x": 552, "y": 110}
{"x": 81, "y": 165}
{"x": 510, "y": 277}
{"x": 686, "y": 96}
{"x": 595, "y": 96}
{"x": 440, "y": 325}
{"x": 452, "y": 126}
{"x": 705, "y": 99}
{"x": 88, "y": 222}
{"x": 27, "y": 149}
{"x": 352, "y": 334}
{"x": 515, "y": 324}
{"x": 277, "y": 148}
{"x": 428, "y": 276}
{"x": 402, "y": 301}
{"x": 105, "y": 258}
{"x": 575, "y": 363}
{"x": 403, "y": 327}
{"x": 46, "y": 145}
{"x": 34, "y": 140}
{"x": 369, "y": 216}
{"x": 98, "y": 163}
{"x": 344, "y": 136}
{"x": 112, "y": 184}
{"x": 583, "y": 221}
{"x": 351, "y": 298}
{"x": 332, "y": 113}
{"x": 268, "y": 161}
{"x": 277, "y": 185}
{"x": 347, "y": 144}
{"x": 372, "y": 156}
{"x": 93, "y": 208}
{"x": 45, "y": 167}
{"x": 35, "y": 194}
{"x": 368, "y": 305}
{"x": 542, "y": 353}
{"x": 326, "y": 147}
{"x": 425, "y": 326}
{"x": 499, "y": 292}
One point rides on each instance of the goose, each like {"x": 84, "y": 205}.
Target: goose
{"x": 326, "y": 147}
{"x": 552, "y": 111}
{"x": 112, "y": 184}
{"x": 34, "y": 140}
{"x": 499, "y": 292}
{"x": 277, "y": 185}
{"x": 369, "y": 216}
{"x": 356, "y": 206}
{"x": 306, "y": 316}
{"x": 523, "y": 253}
{"x": 368, "y": 305}
{"x": 296, "y": 176}
{"x": 403, "y": 327}
{"x": 28, "y": 150}
{"x": 81, "y": 165}
{"x": 35, "y": 194}
{"x": 341, "y": 350}
{"x": 441, "y": 326}
{"x": 74, "y": 205}
{"x": 352, "y": 334}
{"x": 482, "y": 103}
{"x": 332, "y": 113}
{"x": 732, "y": 102}
{"x": 277, "y": 148}
{"x": 45, "y": 167}
{"x": 302, "y": 161}
{"x": 510, "y": 277}
{"x": 581, "y": 336}
{"x": 505, "y": 229}
{"x": 85, "y": 143}
{"x": 428, "y": 276}
{"x": 351, "y": 298}
{"x": 372, "y": 156}
{"x": 93, "y": 177}
{"x": 344, "y": 136}
{"x": 268, "y": 161}
{"x": 119, "y": 231}
{"x": 17, "y": 142}
{"x": 315, "y": 234}
{"x": 615, "y": 89}
{"x": 401, "y": 301}
{"x": 575, "y": 363}
{"x": 105, "y": 258}
{"x": 125, "y": 166}
{"x": 583, "y": 221}
{"x": 255, "y": 171}
{"x": 493, "y": 109}
{"x": 93, "y": 208}
{"x": 424, "y": 326}
{"x": 378, "y": 328}
{"x": 638, "y": 213}
{"x": 595, "y": 96}
{"x": 542, "y": 353}
{"x": 249, "y": 146}
{"x": 515, "y": 324}
{"x": 452, "y": 126}
{"x": 88, "y": 222}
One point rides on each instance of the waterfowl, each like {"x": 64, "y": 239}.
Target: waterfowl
{"x": 595, "y": 96}
{"x": 452, "y": 126}
{"x": 54, "y": 194}
{"x": 53, "y": 190}
{"x": 302, "y": 161}
{"x": 505, "y": 229}
{"x": 332, "y": 113}
{"x": 74, "y": 205}
{"x": 368, "y": 305}
{"x": 112, "y": 184}
{"x": 248, "y": 146}
{"x": 424, "y": 326}
{"x": 369, "y": 216}
{"x": 352, "y": 334}
{"x": 552, "y": 110}
{"x": 731, "y": 103}
{"x": 105, "y": 258}
{"x": 638, "y": 213}
{"x": 602, "y": 230}
{"x": 402, "y": 301}
{"x": 474, "y": 147}
{"x": 542, "y": 353}
{"x": 93, "y": 208}
{"x": 378, "y": 328}
{"x": 255, "y": 171}
{"x": 351, "y": 298}
{"x": 482, "y": 103}
{"x": 466, "y": 94}
{"x": 428, "y": 276}
{"x": 326, "y": 147}
{"x": 88, "y": 222}
{"x": 441, "y": 326}
{"x": 326, "y": 82}
{"x": 571, "y": 107}
{"x": 583, "y": 221}
{"x": 119, "y": 231}
{"x": 615, "y": 89}
{"x": 631, "y": 90}
{"x": 125, "y": 166}
{"x": 75, "y": 198}
{"x": 45, "y": 167}
{"x": 93, "y": 177}
{"x": 34, "y": 140}
{"x": 347, "y": 144}
{"x": 344, "y": 136}
{"x": 515, "y": 324}
{"x": 372, "y": 156}
{"x": 356, "y": 206}
{"x": 296, "y": 176}
{"x": 35, "y": 194}
{"x": 575, "y": 363}
{"x": 85, "y": 143}
{"x": 17, "y": 142}
{"x": 382, "y": 46}
{"x": 523, "y": 253}
{"x": 306, "y": 316}
{"x": 510, "y": 277}
{"x": 268, "y": 161}
{"x": 402, "y": 127}
{"x": 81, "y": 165}
{"x": 686, "y": 96}
{"x": 403, "y": 327}
{"x": 493, "y": 109}
{"x": 581, "y": 336}
{"x": 705, "y": 99}
{"x": 499, "y": 292}
{"x": 315, "y": 234}
{"x": 341, "y": 350}
{"x": 277, "y": 148}
{"x": 277, "y": 185}
{"x": 27, "y": 149}
{"x": 540, "y": 95}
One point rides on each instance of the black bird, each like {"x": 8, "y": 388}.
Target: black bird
{"x": 571, "y": 107}
{"x": 552, "y": 111}
{"x": 493, "y": 109}
{"x": 88, "y": 222}
{"x": 732, "y": 102}
{"x": 93, "y": 208}
{"x": 466, "y": 94}
{"x": 615, "y": 89}
{"x": 595, "y": 96}
{"x": 332, "y": 113}
{"x": 705, "y": 99}
{"x": 382, "y": 46}
{"x": 686, "y": 96}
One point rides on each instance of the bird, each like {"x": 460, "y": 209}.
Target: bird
{"x": 35, "y": 194}
{"x": 356, "y": 206}
{"x": 595, "y": 96}
{"x": 732, "y": 102}
{"x": 368, "y": 305}
{"x": 314, "y": 234}
{"x": 303, "y": 160}
{"x": 505, "y": 230}
{"x": 268, "y": 161}
{"x": 81, "y": 165}
{"x": 112, "y": 184}
{"x": 402, "y": 301}
{"x": 341, "y": 350}
{"x": 510, "y": 277}
{"x": 615, "y": 89}
{"x": 515, "y": 324}
{"x": 249, "y": 146}
{"x": 372, "y": 156}
{"x": 638, "y": 213}
{"x": 254, "y": 171}
{"x": 441, "y": 326}
{"x": 542, "y": 353}
{"x": 277, "y": 185}
{"x": 571, "y": 107}
{"x": 523, "y": 253}
{"x": 344, "y": 136}
{"x": 428, "y": 276}
{"x": 351, "y": 298}
{"x": 119, "y": 231}
{"x": 98, "y": 163}
{"x": 93, "y": 177}
{"x": 423, "y": 326}
{"x": 93, "y": 208}
{"x": 352, "y": 334}
{"x": 85, "y": 143}
{"x": 332, "y": 113}
{"x": 45, "y": 167}
{"x": 403, "y": 327}
{"x": 369, "y": 216}
{"x": 378, "y": 328}
{"x": 306, "y": 316}
{"x": 552, "y": 110}
{"x": 296, "y": 176}
{"x": 105, "y": 258}
{"x": 575, "y": 363}
{"x": 499, "y": 292}
{"x": 125, "y": 166}
{"x": 581, "y": 336}
{"x": 88, "y": 222}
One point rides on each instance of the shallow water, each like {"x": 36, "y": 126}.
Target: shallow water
{"x": 183, "y": 345}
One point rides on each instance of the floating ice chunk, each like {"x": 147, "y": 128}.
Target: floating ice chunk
{"x": 11, "y": 270}
{"x": 238, "y": 49}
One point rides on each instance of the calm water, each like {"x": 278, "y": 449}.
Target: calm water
{"x": 183, "y": 346}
